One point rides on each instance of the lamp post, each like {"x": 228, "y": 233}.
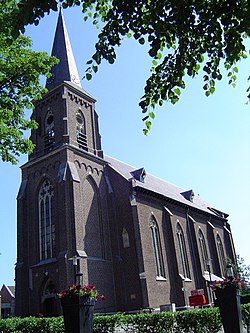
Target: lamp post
{"x": 229, "y": 270}
{"x": 77, "y": 274}
{"x": 208, "y": 263}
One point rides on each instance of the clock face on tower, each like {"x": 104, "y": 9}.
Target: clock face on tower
{"x": 75, "y": 79}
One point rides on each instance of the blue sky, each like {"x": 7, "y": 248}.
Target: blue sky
{"x": 200, "y": 143}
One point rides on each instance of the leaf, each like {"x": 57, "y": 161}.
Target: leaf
{"x": 177, "y": 91}
{"x": 88, "y": 76}
{"x": 141, "y": 40}
{"x": 152, "y": 115}
{"x": 148, "y": 124}
{"x": 159, "y": 55}
{"x": 212, "y": 90}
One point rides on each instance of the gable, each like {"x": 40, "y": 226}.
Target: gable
{"x": 7, "y": 294}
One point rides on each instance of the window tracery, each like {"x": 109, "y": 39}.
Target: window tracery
{"x": 183, "y": 252}
{"x": 160, "y": 271}
{"x": 221, "y": 254}
{"x": 203, "y": 249}
{"x": 81, "y": 130}
{"x": 46, "y": 221}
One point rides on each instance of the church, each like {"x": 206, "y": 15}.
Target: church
{"x": 84, "y": 217}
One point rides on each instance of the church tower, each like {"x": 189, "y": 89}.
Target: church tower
{"x": 62, "y": 200}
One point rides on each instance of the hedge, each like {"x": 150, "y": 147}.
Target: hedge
{"x": 32, "y": 325}
{"x": 246, "y": 315}
{"x": 192, "y": 321}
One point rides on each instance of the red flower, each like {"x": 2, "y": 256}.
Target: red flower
{"x": 85, "y": 291}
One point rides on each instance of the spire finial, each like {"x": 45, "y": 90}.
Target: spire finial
{"x": 66, "y": 69}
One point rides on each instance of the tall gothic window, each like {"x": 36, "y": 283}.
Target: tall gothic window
{"x": 203, "y": 249}
{"x": 160, "y": 271}
{"x": 49, "y": 137}
{"x": 46, "y": 221}
{"x": 221, "y": 254}
{"x": 183, "y": 252}
{"x": 81, "y": 131}
{"x": 125, "y": 238}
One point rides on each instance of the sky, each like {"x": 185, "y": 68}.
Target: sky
{"x": 201, "y": 143}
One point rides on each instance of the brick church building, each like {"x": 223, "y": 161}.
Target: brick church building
{"x": 142, "y": 241}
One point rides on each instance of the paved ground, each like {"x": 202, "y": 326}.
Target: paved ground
{"x": 244, "y": 331}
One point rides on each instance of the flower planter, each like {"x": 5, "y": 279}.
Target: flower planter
{"x": 228, "y": 301}
{"x": 78, "y": 314}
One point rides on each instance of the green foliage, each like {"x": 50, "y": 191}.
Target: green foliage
{"x": 105, "y": 324}
{"x": 246, "y": 315}
{"x": 32, "y": 325}
{"x": 243, "y": 271}
{"x": 183, "y": 38}
{"x": 151, "y": 322}
{"x": 199, "y": 321}
{"x": 20, "y": 70}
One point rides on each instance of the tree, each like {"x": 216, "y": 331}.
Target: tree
{"x": 184, "y": 38}
{"x": 243, "y": 271}
{"x": 20, "y": 70}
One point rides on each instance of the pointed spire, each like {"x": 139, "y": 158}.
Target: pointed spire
{"x": 66, "y": 69}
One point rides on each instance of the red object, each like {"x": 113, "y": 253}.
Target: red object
{"x": 197, "y": 300}
{"x": 197, "y": 292}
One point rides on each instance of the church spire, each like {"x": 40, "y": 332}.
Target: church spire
{"x": 66, "y": 69}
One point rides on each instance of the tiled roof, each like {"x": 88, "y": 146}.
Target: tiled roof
{"x": 12, "y": 290}
{"x": 162, "y": 187}
{"x": 7, "y": 293}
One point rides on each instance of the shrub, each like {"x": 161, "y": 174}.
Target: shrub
{"x": 246, "y": 315}
{"x": 105, "y": 324}
{"x": 189, "y": 321}
{"x": 198, "y": 321}
{"x": 150, "y": 322}
{"x": 32, "y": 325}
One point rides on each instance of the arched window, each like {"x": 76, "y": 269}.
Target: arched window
{"x": 160, "y": 271}
{"x": 203, "y": 249}
{"x": 125, "y": 238}
{"x": 81, "y": 131}
{"x": 222, "y": 259}
{"x": 183, "y": 252}
{"x": 49, "y": 137}
{"x": 46, "y": 221}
